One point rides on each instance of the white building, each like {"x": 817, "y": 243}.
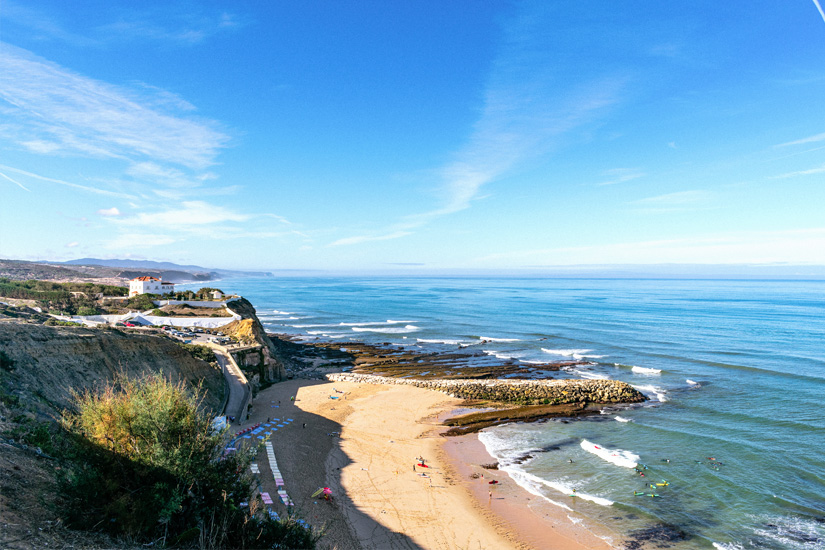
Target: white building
{"x": 217, "y": 295}
{"x": 149, "y": 285}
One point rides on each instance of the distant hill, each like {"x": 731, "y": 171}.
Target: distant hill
{"x": 17, "y": 270}
{"x": 133, "y": 265}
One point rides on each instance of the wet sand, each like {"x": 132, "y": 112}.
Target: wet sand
{"x": 364, "y": 446}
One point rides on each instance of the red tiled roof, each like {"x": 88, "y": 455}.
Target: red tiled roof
{"x": 146, "y": 278}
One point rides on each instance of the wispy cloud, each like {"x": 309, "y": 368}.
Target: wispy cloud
{"x": 15, "y": 182}
{"x": 620, "y": 175}
{"x": 808, "y": 172}
{"x": 183, "y": 25}
{"x": 822, "y": 13}
{"x": 810, "y": 139}
{"x": 526, "y": 113}
{"x": 370, "y": 238}
{"x": 65, "y": 183}
{"x": 64, "y": 112}
{"x": 675, "y": 200}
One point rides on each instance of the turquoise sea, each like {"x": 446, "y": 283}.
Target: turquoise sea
{"x": 735, "y": 371}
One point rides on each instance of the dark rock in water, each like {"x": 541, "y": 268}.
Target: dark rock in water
{"x": 492, "y": 466}
{"x": 523, "y": 458}
{"x": 658, "y": 536}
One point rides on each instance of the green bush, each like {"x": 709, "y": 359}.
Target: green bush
{"x": 204, "y": 353}
{"x": 141, "y": 302}
{"x": 149, "y": 467}
{"x": 159, "y": 313}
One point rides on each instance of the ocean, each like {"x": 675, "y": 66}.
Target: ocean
{"x": 731, "y": 443}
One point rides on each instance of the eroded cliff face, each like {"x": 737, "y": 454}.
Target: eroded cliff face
{"x": 248, "y": 330}
{"x": 46, "y": 363}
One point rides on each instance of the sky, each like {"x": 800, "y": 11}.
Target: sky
{"x": 380, "y": 136}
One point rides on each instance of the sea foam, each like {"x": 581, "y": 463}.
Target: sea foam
{"x": 387, "y": 330}
{"x": 625, "y": 459}
{"x": 574, "y": 353}
{"x": 646, "y": 371}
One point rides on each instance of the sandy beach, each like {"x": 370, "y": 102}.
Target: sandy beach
{"x": 364, "y": 445}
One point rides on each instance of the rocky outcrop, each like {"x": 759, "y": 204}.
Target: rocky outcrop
{"x": 515, "y": 391}
{"x": 249, "y": 330}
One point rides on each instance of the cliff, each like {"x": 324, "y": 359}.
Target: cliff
{"x": 39, "y": 365}
{"x": 45, "y": 363}
{"x": 273, "y": 360}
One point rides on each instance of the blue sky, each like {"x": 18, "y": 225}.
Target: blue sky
{"x": 377, "y": 136}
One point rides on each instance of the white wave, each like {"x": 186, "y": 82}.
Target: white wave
{"x": 391, "y": 322}
{"x": 500, "y": 355}
{"x": 386, "y": 330}
{"x": 625, "y": 459}
{"x": 532, "y": 483}
{"x": 653, "y": 392}
{"x": 436, "y": 341}
{"x": 491, "y": 339}
{"x": 276, "y": 312}
{"x": 364, "y": 324}
{"x": 645, "y": 370}
{"x": 590, "y": 375}
{"x": 574, "y": 353}
{"x": 574, "y": 521}
{"x": 532, "y": 362}
{"x": 728, "y": 546}
{"x": 622, "y": 419}
{"x": 789, "y": 531}
{"x": 314, "y": 326}
{"x": 691, "y": 382}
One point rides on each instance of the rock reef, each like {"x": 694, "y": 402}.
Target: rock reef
{"x": 515, "y": 391}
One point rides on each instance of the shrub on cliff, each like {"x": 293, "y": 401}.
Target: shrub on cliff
{"x": 150, "y": 467}
{"x": 141, "y": 302}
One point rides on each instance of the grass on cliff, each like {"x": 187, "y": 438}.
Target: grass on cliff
{"x": 147, "y": 466}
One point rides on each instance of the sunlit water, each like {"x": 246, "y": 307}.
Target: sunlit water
{"x": 735, "y": 371}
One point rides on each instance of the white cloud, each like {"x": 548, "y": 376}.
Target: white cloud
{"x": 72, "y": 244}
{"x": 109, "y": 212}
{"x": 69, "y": 113}
{"x": 190, "y": 216}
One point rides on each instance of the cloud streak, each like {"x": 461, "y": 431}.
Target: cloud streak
{"x": 818, "y": 7}
{"x": 65, "y": 183}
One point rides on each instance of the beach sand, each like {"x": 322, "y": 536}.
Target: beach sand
{"x": 380, "y": 500}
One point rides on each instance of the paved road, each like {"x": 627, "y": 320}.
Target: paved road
{"x": 238, "y": 385}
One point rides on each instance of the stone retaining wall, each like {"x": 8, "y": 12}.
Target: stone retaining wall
{"x": 514, "y": 391}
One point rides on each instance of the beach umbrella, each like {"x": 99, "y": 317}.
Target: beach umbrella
{"x": 327, "y": 491}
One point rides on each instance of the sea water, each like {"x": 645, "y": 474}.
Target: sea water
{"x": 732, "y": 439}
